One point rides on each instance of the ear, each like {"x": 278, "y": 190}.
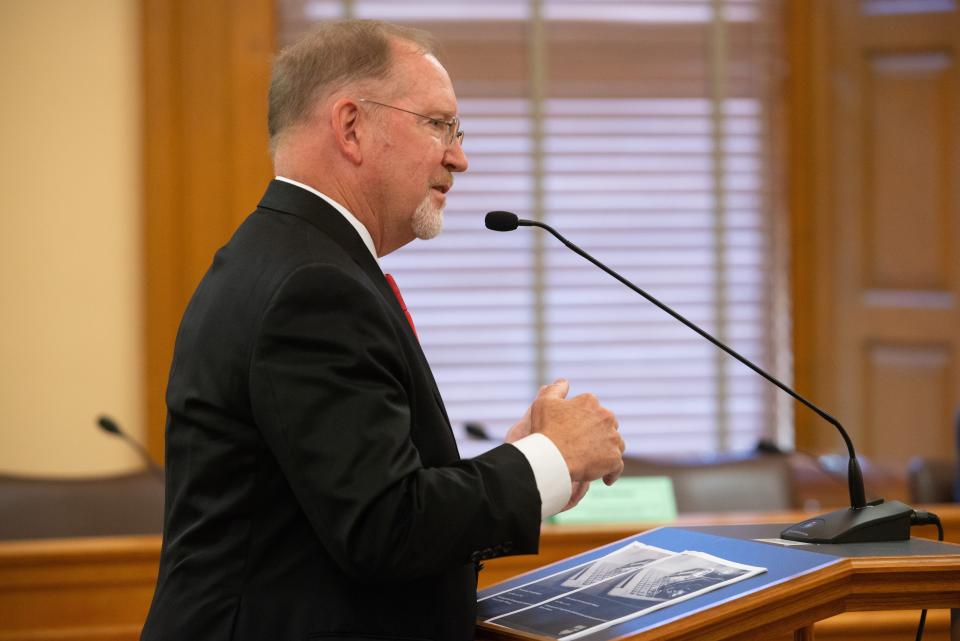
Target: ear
{"x": 345, "y": 122}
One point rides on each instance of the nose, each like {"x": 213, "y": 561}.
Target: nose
{"x": 455, "y": 158}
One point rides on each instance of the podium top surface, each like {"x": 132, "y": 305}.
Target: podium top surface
{"x": 794, "y": 574}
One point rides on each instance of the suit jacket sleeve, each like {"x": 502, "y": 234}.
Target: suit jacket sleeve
{"x": 330, "y": 391}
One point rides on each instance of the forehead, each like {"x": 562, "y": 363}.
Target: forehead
{"x": 423, "y": 81}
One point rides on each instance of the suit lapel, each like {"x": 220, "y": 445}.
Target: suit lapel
{"x": 289, "y": 199}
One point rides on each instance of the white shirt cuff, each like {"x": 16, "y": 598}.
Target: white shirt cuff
{"x": 549, "y": 470}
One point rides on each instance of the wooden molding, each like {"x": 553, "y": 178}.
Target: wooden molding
{"x": 805, "y": 60}
{"x": 206, "y": 69}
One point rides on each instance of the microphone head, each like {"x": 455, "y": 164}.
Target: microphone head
{"x": 501, "y": 221}
{"x": 108, "y": 425}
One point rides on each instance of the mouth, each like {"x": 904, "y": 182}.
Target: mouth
{"x": 443, "y": 189}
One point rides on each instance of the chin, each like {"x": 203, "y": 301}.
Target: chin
{"x": 427, "y": 221}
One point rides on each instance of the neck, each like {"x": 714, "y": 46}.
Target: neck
{"x": 349, "y": 185}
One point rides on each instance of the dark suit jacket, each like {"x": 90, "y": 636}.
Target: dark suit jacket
{"x": 314, "y": 488}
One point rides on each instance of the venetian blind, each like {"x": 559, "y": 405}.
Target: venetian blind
{"x": 645, "y": 132}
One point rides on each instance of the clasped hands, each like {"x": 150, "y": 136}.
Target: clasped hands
{"x": 584, "y": 431}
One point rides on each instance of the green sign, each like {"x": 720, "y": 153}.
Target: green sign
{"x": 631, "y": 499}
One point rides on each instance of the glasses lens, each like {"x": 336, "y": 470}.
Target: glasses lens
{"x": 453, "y": 131}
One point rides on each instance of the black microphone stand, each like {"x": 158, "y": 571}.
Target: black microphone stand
{"x": 110, "y": 426}
{"x": 862, "y": 521}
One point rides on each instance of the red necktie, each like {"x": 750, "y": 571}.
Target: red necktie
{"x": 403, "y": 306}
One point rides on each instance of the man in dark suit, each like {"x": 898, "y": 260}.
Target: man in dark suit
{"x": 314, "y": 488}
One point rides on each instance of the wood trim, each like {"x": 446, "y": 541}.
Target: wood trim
{"x": 805, "y": 58}
{"x": 95, "y": 589}
{"x": 206, "y": 70}
{"x": 160, "y": 189}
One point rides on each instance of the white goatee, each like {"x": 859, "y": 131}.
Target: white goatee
{"x": 427, "y": 221}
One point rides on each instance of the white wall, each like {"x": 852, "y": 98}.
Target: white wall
{"x": 70, "y": 248}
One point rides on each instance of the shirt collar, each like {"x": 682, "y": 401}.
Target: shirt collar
{"x": 361, "y": 230}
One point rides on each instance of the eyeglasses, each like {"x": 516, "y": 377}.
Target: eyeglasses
{"x": 449, "y": 129}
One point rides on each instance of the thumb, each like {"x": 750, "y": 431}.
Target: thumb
{"x": 556, "y": 389}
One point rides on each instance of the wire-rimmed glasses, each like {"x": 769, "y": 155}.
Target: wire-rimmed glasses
{"x": 450, "y": 128}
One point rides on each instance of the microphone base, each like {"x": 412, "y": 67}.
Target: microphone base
{"x": 874, "y": 523}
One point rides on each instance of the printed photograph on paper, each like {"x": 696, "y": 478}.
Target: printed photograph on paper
{"x": 618, "y": 563}
{"x": 653, "y": 586}
{"x": 677, "y": 577}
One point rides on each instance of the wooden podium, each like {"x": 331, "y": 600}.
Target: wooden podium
{"x": 903, "y": 575}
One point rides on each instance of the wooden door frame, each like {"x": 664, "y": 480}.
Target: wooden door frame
{"x": 807, "y": 173}
{"x": 206, "y": 69}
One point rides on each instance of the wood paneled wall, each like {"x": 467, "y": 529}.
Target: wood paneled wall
{"x": 206, "y": 68}
{"x": 876, "y": 209}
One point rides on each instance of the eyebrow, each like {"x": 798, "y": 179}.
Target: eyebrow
{"x": 444, "y": 115}
{"x": 447, "y": 115}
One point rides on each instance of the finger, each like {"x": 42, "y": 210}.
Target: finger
{"x": 579, "y": 491}
{"x": 557, "y": 389}
{"x": 612, "y": 477}
{"x": 520, "y": 429}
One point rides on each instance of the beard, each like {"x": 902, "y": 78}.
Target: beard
{"x": 427, "y": 221}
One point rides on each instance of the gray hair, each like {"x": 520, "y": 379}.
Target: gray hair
{"x": 329, "y": 58}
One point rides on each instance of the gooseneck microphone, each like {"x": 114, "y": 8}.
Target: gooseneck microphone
{"x": 876, "y": 521}
{"x": 506, "y": 221}
{"x": 110, "y": 426}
